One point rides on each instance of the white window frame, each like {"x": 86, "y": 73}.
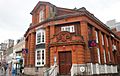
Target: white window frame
{"x": 102, "y": 39}
{"x": 107, "y": 42}
{"x": 109, "y": 56}
{"x": 41, "y": 60}
{"x": 68, "y": 28}
{"x": 98, "y": 52}
{"x": 41, "y": 16}
{"x": 104, "y": 55}
{"x": 40, "y": 32}
{"x": 96, "y": 36}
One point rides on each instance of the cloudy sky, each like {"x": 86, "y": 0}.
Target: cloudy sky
{"x": 15, "y": 14}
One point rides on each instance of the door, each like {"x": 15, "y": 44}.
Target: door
{"x": 65, "y": 62}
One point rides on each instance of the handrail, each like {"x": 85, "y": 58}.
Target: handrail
{"x": 48, "y": 70}
{"x": 52, "y": 70}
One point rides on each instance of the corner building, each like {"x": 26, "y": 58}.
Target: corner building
{"x": 58, "y": 43}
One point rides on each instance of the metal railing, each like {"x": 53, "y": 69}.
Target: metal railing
{"x": 49, "y": 71}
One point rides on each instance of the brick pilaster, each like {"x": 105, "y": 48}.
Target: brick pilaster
{"x": 101, "y": 47}
{"x": 25, "y": 56}
{"x": 106, "y": 48}
{"x": 115, "y": 56}
{"x": 119, "y": 52}
{"x": 110, "y": 48}
{"x": 28, "y": 55}
{"x": 95, "y": 55}
{"x": 84, "y": 33}
{"x": 47, "y": 33}
{"x": 52, "y": 30}
{"x": 32, "y": 49}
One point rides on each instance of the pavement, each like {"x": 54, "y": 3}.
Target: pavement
{"x": 7, "y": 74}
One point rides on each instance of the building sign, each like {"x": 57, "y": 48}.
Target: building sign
{"x": 91, "y": 43}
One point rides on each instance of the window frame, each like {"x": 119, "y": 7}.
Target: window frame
{"x": 103, "y": 39}
{"x": 41, "y": 60}
{"x": 96, "y": 32}
{"x": 99, "y": 57}
{"x": 70, "y": 28}
{"x": 41, "y": 15}
{"x": 109, "y": 56}
{"x": 40, "y": 32}
{"x": 104, "y": 56}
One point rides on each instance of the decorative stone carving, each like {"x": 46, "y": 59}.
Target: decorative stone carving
{"x": 65, "y": 38}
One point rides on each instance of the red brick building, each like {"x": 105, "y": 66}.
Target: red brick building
{"x": 70, "y": 42}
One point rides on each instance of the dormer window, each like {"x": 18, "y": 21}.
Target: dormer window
{"x": 68, "y": 28}
{"x": 41, "y": 16}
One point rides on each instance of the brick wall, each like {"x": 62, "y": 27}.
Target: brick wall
{"x": 85, "y": 55}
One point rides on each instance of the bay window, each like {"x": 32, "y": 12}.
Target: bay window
{"x": 40, "y": 57}
{"x": 40, "y": 36}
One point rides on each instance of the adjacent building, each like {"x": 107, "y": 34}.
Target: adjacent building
{"x": 17, "y": 49}
{"x": 6, "y": 49}
{"x": 115, "y": 26}
{"x": 2, "y": 51}
{"x": 62, "y": 41}
{"x": 18, "y": 59}
{"x": 9, "y": 50}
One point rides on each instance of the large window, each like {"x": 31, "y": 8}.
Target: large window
{"x": 40, "y": 36}
{"x": 108, "y": 49}
{"x": 104, "y": 56}
{"x": 103, "y": 45}
{"x": 98, "y": 52}
{"x": 96, "y": 36}
{"x": 109, "y": 56}
{"x": 107, "y": 42}
{"x": 68, "y": 28}
{"x": 40, "y": 57}
{"x": 102, "y": 39}
{"x": 41, "y": 16}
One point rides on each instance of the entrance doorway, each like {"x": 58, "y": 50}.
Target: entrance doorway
{"x": 65, "y": 62}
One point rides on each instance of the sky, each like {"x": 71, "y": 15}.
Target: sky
{"x": 15, "y": 15}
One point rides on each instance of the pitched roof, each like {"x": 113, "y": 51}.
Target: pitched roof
{"x": 78, "y": 12}
{"x": 40, "y": 3}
